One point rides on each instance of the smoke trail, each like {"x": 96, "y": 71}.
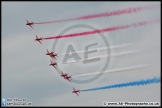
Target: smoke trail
{"x": 103, "y": 57}
{"x": 108, "y": 14}
{"x": 99, "y": 49}
{"x": 124, "y": 69}
{"x": 133, "y": 83}
{"x": 105, "y": 30}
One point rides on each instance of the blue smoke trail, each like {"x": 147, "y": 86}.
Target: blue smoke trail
{"x": 134, "y": 83}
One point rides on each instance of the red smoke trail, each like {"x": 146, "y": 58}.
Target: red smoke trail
{"x": 104, "y": 30}
{"x": 107, "y": 14}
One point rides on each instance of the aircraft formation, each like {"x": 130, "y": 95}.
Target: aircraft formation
{"x": 53, "y": 56}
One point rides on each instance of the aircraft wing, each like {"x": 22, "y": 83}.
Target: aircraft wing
{"x": 47, "y": 51}
{"x": 54, "y": 58}
{"x": 54, "y": 67}
{"x": 68, "y": 79}
{"x": 50, "y": 56}
{"x": 39, "y": 41}
{"x": 30, "y": 26}
{"x": 36, "y": 36}
{"x": 73, "y": 88}
{"x": 27, "y": 21}
{"x": 76, "y": 93}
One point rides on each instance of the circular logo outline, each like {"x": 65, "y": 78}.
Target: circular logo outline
{"x": 104, "y": 39}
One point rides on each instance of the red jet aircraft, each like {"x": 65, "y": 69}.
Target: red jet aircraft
{"x": 51, "y": 54}
{"x": 53, "y": 64}
{"x": 38, "y": 39}
{"x": 67, "y": 77}
{"x": 63, "y": 74}
{"x": 75, "y": 91}
{"x": 29, "y": 23}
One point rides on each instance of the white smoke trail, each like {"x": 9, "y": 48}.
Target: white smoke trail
{"x": 100, "y": 49}
{"x": 103, "y": 57}
{"x": 115, "y": 70}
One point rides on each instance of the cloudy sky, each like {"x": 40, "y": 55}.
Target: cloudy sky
{"x": 25, "y": 67}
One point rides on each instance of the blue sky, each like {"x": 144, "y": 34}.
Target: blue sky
{"x": 25, "y": 67}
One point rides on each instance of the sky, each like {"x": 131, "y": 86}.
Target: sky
{"x": 25, "y": 67}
